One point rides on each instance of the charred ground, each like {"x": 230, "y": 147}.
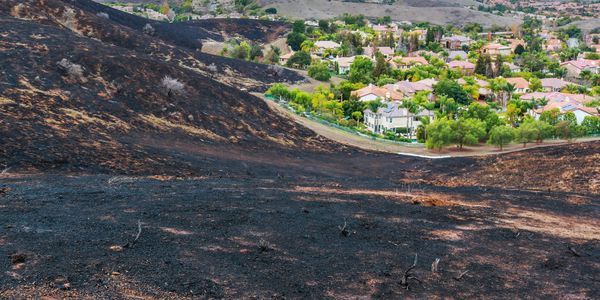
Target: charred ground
{"x": 237, "y": 202}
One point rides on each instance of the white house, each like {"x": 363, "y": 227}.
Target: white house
{"x": 393, "y": 117}
{"x": 575, "y": 67}
{"x": 325, "y": 45}
{"x": 344, "y": 64}
{"x": 576, "y": 108}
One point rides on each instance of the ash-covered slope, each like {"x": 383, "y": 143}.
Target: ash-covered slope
{"x": 174, "y": 43}
{"x": 79, "y": 93}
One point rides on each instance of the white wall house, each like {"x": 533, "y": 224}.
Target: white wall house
{"x": 393, "y": 117}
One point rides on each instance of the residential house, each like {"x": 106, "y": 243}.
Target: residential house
{"x": 592, "y": 39}
{"x": 387, "y": 52}
{"x": 558, "y": 97}
{"x": 283, "y": 59}
{"x": 383, "y": 29}
{"x": 409, "y": 89}
{"x": 514, "y": 43}
{"x": 321, "y": 46}
{"x": 373, "y": 92}
{"x": 344, "y": 64}
{"x": 393, "y": 117}
{"x": 405, "y": 63}
{"x": 455, "y": 42}
{"x": 421, "y": 33}
{"x": 521, "y": 84}
{"x": 422, "y": 53}
{"x": 457, "y": 55}
{"x": 311, "y": 23}
{"x": 553, "y": 84}
{"x": 580, "y": 111}
{"x": 512, "y": 67}
{"x": 575, "y": 67}
{"x": 553, "y": 45}
{"x": 463, "y": 66}
{"x": 496, "y": 49}
{"x": 572, "y": 43}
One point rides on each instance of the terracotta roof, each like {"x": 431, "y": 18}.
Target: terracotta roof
{"x": 559, "y": 97}
{"x": 411, "y": 60}
{"x": 407, "y": 87}
{"x": 370, "y": 51}
{"x": 461, "y": 64}
{"x": 457, "y": 38}
{"x": 327, "y": 44}
{"x": 518, "y": 82}
{"x": 495, "y": 46}
{"x": 582, "y": 63}
{"x": 345, "y": 61}
{"x": 555, "y": 83}
{"x": 381, "y": 92}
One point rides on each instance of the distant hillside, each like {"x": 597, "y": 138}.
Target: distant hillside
{"x": 434, "y": 11}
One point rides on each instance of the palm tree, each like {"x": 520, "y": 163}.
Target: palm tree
{"x": 411, "y": 108}
{"x": 509, "y": 89}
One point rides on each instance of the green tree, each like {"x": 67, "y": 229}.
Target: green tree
{"x": 319, "y": 72}
{"x": 551, "y": 117}
{"x": 361, "y": 70}
{"x": 467, "y": 131}
{"x": 519, "y": 49}
{"x": 526, "y": 133}
{"x": 535, "y": 84}
{"x": 298, "y": 27}
{"x": 295, "y": 40}
{"x": 591, "y": 124}
{"x": 439, "y": 134}
{"x": 382, "y": 67}
{"x": 351, "y": 106}
{"x": 300, "y": 59}
{"x": 452, "y": 89}
{"x": 544, "y": 130}
{"x": 481, "y": 64}
{"x": 357, "y": 115}
{"x": 501, "y": 135}
{"x": 422, "y": 129}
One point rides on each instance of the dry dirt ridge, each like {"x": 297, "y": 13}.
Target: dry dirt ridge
{"x": 433, "y": 11}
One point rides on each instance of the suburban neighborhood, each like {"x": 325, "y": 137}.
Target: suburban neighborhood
{"x": 406, "y": 82}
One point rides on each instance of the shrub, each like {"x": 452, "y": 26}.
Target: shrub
{"x": 103, "y": 15}
{"x": 275, "y": 70}
{"x": 72, "y": 70}
{"x": 319, "y": 72}
{"x": 526, "y": 133}
{"x": 501, "y": 135}
{"x": 271, "y": 10}
{"x": 172, "y": 86}
{"x": 148, "y": 29}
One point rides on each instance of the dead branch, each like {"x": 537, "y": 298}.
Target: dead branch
{"x": 137, "y": 236}
{"x": 344, "y": 229}
{"x": 434, "y": 265}
{"x": 574, "y": 251}
{"x": 461, "y": 275}
{"x": 408, "y": 274}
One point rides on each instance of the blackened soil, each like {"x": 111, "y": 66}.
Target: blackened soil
{"x": 291, "y": 237}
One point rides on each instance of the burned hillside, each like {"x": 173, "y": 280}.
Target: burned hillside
{"x": 69, "y": 100}
{"x": 132, "y": 166}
